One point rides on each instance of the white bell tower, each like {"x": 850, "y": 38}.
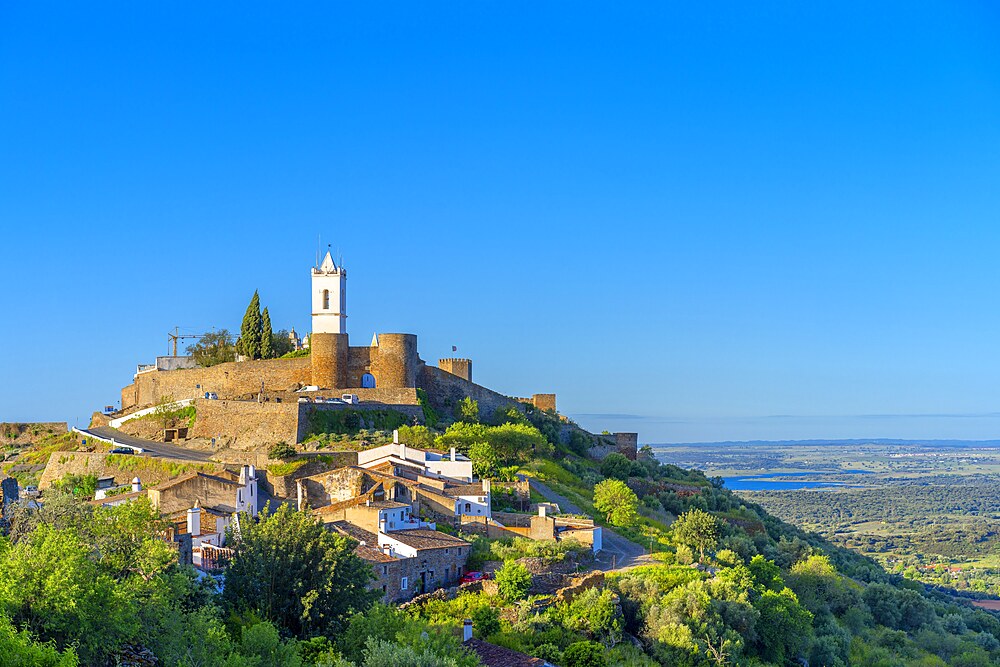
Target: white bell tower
{"x": 329, "y": 297}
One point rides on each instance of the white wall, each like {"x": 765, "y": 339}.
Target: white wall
{"x": 477, "y": 507}
{"x": 328, "y": 277}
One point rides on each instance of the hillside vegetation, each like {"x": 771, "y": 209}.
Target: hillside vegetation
{"x": 728, "y": 584}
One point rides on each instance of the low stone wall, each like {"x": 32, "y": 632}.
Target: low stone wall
{"x": 150, "y": 471}
{"x": 29, "y": 432}
{"x": 284, "y": 486}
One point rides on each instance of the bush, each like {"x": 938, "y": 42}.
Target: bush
{"x": 513, "y": 581}
{"x": 584, "y": 654}
{"x": 281, "y": 450}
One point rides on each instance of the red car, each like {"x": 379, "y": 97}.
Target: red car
{"x": 473, "y": 577}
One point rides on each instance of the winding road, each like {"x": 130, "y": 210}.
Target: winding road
{"x": 617, "y": 551}
{"x": 161, "y": 449}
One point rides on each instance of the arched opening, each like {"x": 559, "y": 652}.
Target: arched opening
{"x": 367, "y": 381}
{"x": 326, "y": 299}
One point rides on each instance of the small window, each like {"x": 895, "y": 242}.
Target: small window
{"x": 326, "y": 299}
{"x": 460, "y": 551}
{"x": 404, "y": 583}
{"x": 385, "y": 570}
{"x": 468, "y": 507}
{"x": 384, "y": 588}
{"x": 446, "y": 551}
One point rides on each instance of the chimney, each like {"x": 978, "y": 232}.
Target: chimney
{"x": 194, "y": 520}
{"x": 486, "y": 486}
{"x": 387, "y": 549}
{"x": 395, "y": 436}
{"x": 541, "y": 509}
{"x": 402, "y": 450}
{"x": 244, "y": 475}
{"x": 454, "y": 454}
{"x": 466, "y": 629}
{"x": 136, "y": 485}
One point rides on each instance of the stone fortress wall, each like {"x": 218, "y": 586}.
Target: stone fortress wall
{"x": 384, "y": 375}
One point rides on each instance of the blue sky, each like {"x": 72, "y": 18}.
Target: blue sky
{"x": 736, "y": 221}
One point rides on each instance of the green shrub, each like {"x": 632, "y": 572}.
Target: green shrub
{"x": 281, "y": 450}
{"x": 513, "y": 581}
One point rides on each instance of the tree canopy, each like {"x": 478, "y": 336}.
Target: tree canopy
{"x": 617, "y": 502}
{"x": 290, "y": 570}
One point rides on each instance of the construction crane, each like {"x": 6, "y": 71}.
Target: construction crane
{"x": 176, "y": 336}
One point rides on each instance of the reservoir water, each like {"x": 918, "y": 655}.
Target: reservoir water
{"x": 774, "y": 481}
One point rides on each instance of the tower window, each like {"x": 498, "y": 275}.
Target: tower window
{"x": 326, "y": 299}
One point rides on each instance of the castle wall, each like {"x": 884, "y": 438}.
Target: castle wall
{"x": 246, "y": 424}
{"x": 228, "y": 379}
{"x": 359, "y": 361}
{"x": 29, "y": 432}
{"x": 445, "y": 390}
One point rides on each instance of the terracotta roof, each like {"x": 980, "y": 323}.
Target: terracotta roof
{"x": 368, "y": 551}
{"x": 117, "y": 498}
{"x": 424, "y": 538}
{"x": 387, "y": 504}
{"x": 193, "y": 475}
{"x": 492, "y": 655}
{"x": 360, "y": 534}
{"x": 474, "y": 489}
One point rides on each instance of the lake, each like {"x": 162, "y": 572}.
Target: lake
{"x": 773, "y": 481}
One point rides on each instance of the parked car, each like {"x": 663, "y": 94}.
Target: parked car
{"x": 350, "y": 399}
{"x": 473, "y": 577}
{"x": 211, "y": 395}
{"x": 31, "y": 491}
{"x": 123, "y": 450}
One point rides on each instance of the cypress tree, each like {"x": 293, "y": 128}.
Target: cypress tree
{"x": 266, "y": 344}
{"x": 250, "y": 330}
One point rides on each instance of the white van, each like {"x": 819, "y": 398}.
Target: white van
{"x": 350, "y": 399}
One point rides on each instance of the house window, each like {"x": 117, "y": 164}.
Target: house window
{"x": 468, "y": 507}
{"x": 326, "y": 299}
{"x": 446, "y": 551}
{"x": 460, "y": 551}
{"x": 385, "y": 570}
{"x": 404, "y": 583}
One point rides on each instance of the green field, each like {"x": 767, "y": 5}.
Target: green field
{"x": 930, "y": 512}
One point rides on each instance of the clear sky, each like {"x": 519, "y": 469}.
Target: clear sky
{"x": 700, "y": 221}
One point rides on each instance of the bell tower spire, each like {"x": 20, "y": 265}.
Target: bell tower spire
{"x": 329, "y": 297}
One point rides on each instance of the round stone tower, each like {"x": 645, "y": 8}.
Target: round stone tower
{"x": 395, "y": 364}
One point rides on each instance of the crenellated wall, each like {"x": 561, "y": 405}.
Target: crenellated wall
{"x": 460, "y": 367}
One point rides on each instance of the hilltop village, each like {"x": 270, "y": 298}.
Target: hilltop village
{"x": 318, "y": 503}
{"x": 325, "y": 430}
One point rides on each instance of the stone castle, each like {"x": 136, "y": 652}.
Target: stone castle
{"x": 386, "y": 373}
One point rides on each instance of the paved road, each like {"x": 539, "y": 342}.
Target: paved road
{"x": 161, "y": 449}
{"x": 617, "y": 552}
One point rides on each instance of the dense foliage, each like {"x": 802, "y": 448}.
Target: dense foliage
{"x": 213, "y": 348}
{"x": 290, "y": 570}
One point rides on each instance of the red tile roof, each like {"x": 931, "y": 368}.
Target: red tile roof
{"x": 492, "y": 655}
